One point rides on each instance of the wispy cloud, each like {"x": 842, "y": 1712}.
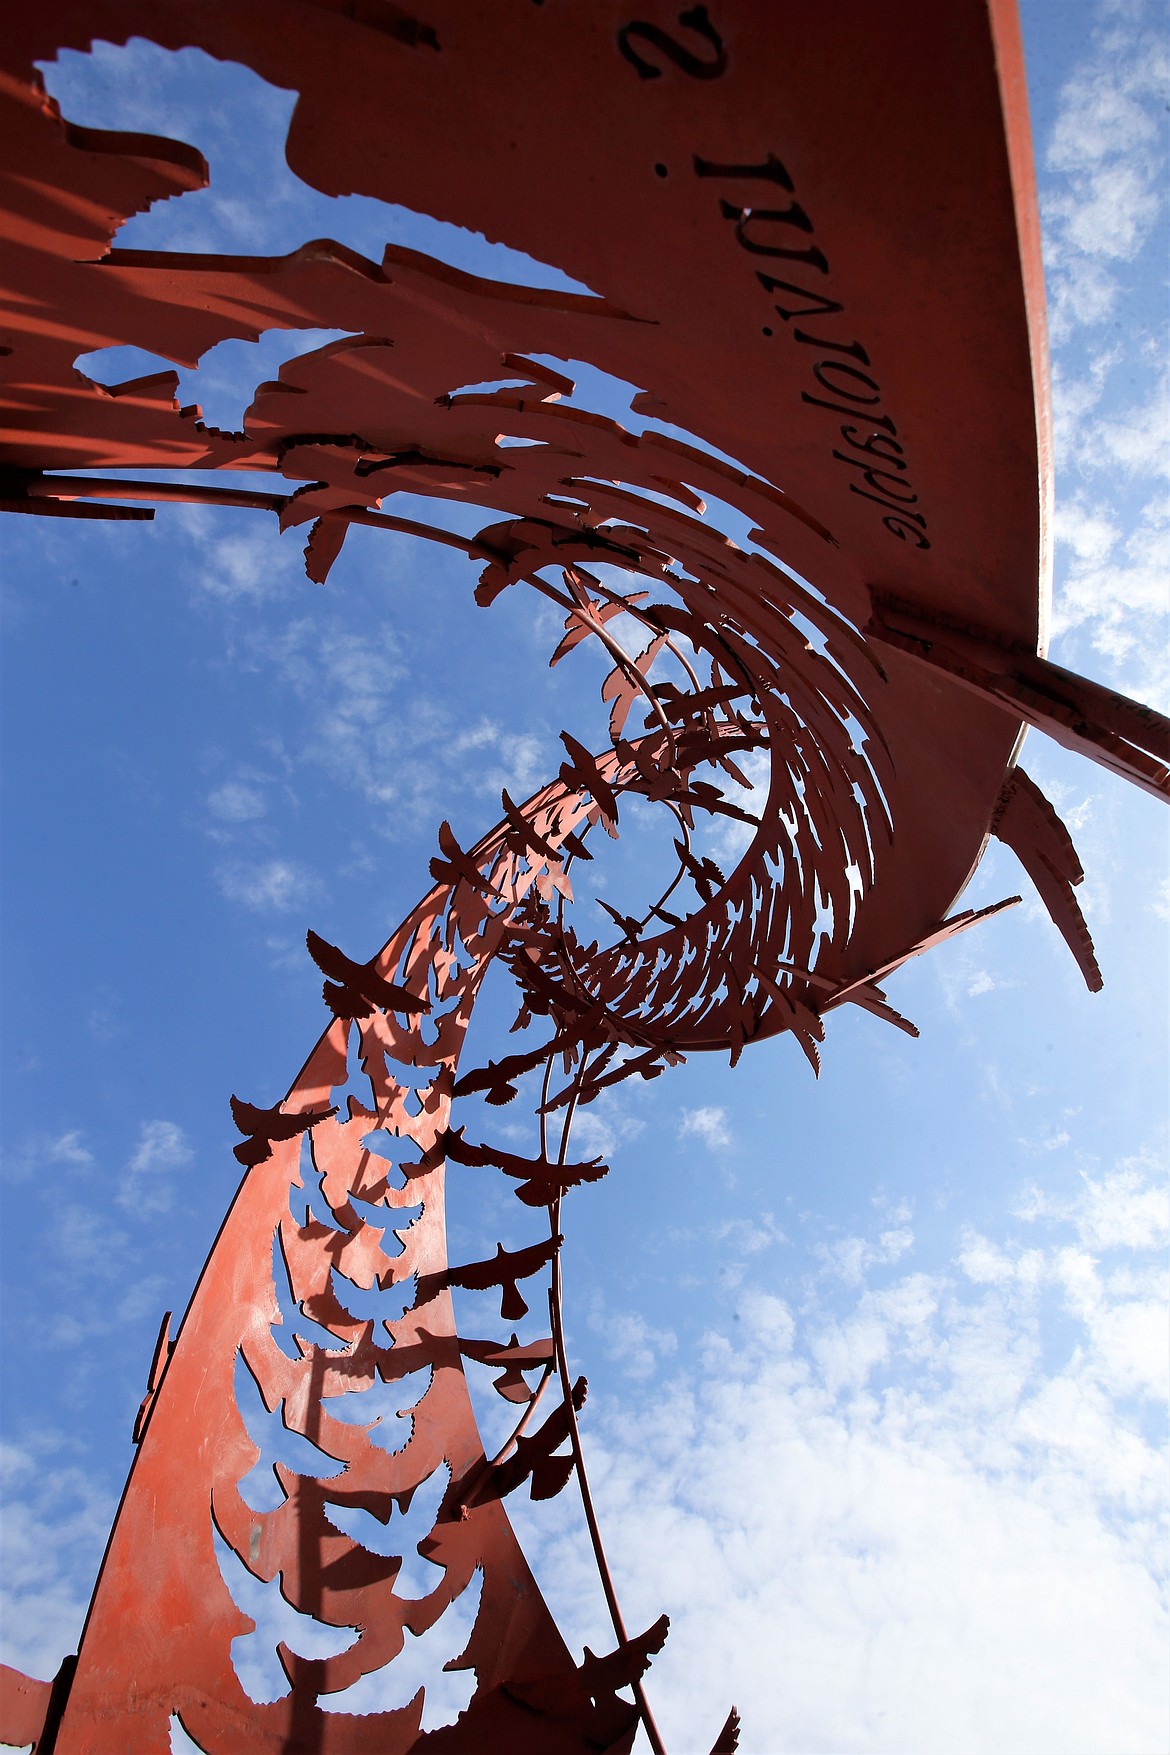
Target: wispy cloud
{"x": 1127, "y": 1208}
{"x": 275, "y": 885}
{"x": 969, "y": 972}
{"x": 1115, "y": 588}
{"x": 371, "y": 727}
{"x": 1104, "y": 212}
{"x": 237, "y": 801}
{"x": 92, "y": 1316}
{"x": 748, "y": 1237}
{"x": 733, "y": 1247}
{"x": 1105, "y": 164}
{"x": 851, "y": 1258}
{"x": 54, "y": 1528}
{"x": 148, "y": 1184}
{"x": 725, "y": 838}
{"x": 41, "y": 1150}
{"x": 838, "y": 1506}
{"x": 88, "y": 1242}
{"x": 1119, "y": 559}
{"x": 249, "y": 567}
{"x": 637, "y": 1347}
{"x": 94, "y": 1280}
{"x": 707, "y": 1123}
{"x": 605, "y": 1126}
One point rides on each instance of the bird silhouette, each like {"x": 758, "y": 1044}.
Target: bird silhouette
{"x": 262, "y": 1126}
{"x": 354, "y": 990}
{"x": 515, "y": 1361}
{"x": 496, "y": 1078}
{"x": 707, "y": 877}
{"x": 541, "y": 1181}
{"x": 457, "y": 866}
{"x": 597, "y": 1677}
{"x": 533, "y": 1458}
{"x": 504, "y": 1269}
{"x": 524, "y": 835}
{"x": 631, "y": 928}
{"x": 582, "y": 774}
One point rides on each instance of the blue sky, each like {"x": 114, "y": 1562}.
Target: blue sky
{"x": 878, "y": 1365}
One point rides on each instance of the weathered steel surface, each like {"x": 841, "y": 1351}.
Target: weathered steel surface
{"x": 812, "y": 246}
{"x": 159, "y": 1636}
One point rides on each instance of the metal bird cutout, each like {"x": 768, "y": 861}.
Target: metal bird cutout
{"x": 875, "y": 643}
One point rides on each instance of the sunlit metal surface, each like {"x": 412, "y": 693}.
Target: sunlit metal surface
{"x": 835, "y": 300}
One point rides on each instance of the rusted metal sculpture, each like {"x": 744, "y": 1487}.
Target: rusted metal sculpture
{"x": 813, "y": 246}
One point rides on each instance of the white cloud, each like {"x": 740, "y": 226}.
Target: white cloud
{"x": 1109, "y": 211}
{"x": 372, "y": 728}
{"x": 88, "y": 1243}
{"x": 236, "y": 802}
{"x": 1116, "y": 580}
{"x": 962, "y": 975}
{"x": 1091, "y": 535}
{"x": 277, "y": 884}
{"x": 484, "y": 735}
{"x": 250, "y": 568}
{"x": 144, "y": 1298}
{"x": 1117, "y": 607}
{"x": 51, "y": 1535}
{"x": 287, "y": 953}
{"x": 708, "y": 1124}
{"x": 1046, "y": 1141}
{"x": 68, "y": 1148}
{"x": 985, "y": 1264}
{"x": 526, "y": 763}
{"x": 1102, "y": 118}
{"x": 737, "y": 1244}
{"x": 604, "y": 1127}
{"x": 1083, "y": 295}
{"x": 1136, "y": 438}
{"x": 100, "y": 1253}
{"x": 637, "y": 1347}
{"x": 42, "y": 1149}
{"x": 148, "y": 1185}
{"x": 748, "y": 1237}
{"x": 1103, "y": 195}
{"x": 727, "y": 839}
{"x": 893, "y": 1526}
{"x": 593, "y": 1136}
{"x": 1073, "y": 403}
{"x": 852, "y": 1257}
{"x": 1128, "y": 1208}
{"x": 358, "y": 690}
{"x": 1104, "y": 207}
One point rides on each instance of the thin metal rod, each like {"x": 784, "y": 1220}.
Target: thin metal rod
{"x": 69, "y": 487}
{"x": 616, "y": 651}
{"x": 518, "y": 1431}
{"x": 555, "y": 1296}
{"x": 556, "y": 1322}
